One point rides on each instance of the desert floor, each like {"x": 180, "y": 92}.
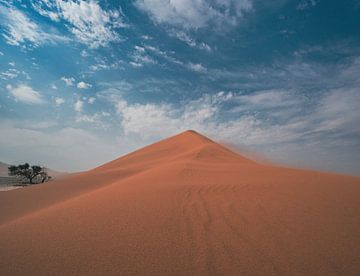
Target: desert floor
{"x": 183, "y": 206}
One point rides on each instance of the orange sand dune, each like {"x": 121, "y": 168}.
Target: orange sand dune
{"x": 183, "y": 206}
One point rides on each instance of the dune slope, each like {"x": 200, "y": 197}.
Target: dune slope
{"x": 185, "y": 205}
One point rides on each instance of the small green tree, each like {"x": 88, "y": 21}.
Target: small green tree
{"x": 30, "y": 173}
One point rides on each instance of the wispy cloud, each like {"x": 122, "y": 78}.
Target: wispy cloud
{"x": 96, "y": 119}
{"x": 78, "y": 106}
{"x": 87, "y": 20}
{"x": 69, "y": 81}
{"x": 190, "y": 14}
{"x": 197, "y": 67}
{"x": 305, "y": 4}
{"x": 140, "y": 57}
{"x": 186, "y": 38}
{"x": 83, "y": 85}
{"x": 22, "y": 31}
{"x": 59, "y": 101}
{"x": 275, "y": 122}
{"x": 26, "y": 94}
{"x": 11, "y": 73}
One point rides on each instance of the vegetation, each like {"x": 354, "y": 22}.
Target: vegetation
{"x": 32, "y": 174}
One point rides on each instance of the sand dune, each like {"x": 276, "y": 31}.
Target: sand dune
{"x": 183, "y": 206}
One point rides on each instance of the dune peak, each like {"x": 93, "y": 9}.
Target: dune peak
{"x": 187, "y": 146}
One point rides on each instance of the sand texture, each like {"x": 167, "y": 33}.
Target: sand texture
{"x": 183, "y": 206}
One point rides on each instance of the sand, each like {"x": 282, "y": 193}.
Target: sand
{"x": 183, "y": 206}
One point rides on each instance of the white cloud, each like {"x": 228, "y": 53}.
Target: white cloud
{"x": 95, "y": 119}
{"x": 135, "y": 64}
{"x": 54, "y": 87}
{"x": 189, "y": 14}
{"x": 305, "y": 4}
{"x": 83, "y": 85}
{"x": 59, "y": 101}
{"x": 91, "y": 100}
{"x": 142, "y": 51}
{"x": 68, "y": 81}
{"x": 338, "y": 111}
{"x": 166, "y": 55}
{"x": 13, "y": 73}
{"x": 278, "y": 123}
{"x": 197, "y": 67}
{"x": 20, "y": 30}
{"x": 148, "y": 120}
{"x": 91, "y": 24}
{"x": 25, "y": 94}
{"x": 9, "y": 74}
{"x": 42, "y": 7}
{"x": 78, "y": 106}
{"x": 268, "y": 100}
{"x": 184, "y": 37}
{"x": 140, "y": 57}
{"x": 103, "y": 65}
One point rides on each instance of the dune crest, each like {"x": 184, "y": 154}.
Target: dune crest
{"x": 185, "y": 205}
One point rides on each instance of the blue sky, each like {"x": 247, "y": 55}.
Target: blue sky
{"x": 83, "y": 82}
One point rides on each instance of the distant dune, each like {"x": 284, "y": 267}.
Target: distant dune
{"x": 183, "y": 206}
{"x": 4, "y": 169}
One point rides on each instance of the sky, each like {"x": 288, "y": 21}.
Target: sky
{"x": 84, "y": 82}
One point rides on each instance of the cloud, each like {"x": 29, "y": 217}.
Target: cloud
{"x": 166, "y": 55}
{"x": 67, "y": 149}
{"x": 59, "y": 101}
{"x": 103, "y": 65}
{"x": 145, "y": 58}
{"x": 197, "y": 67}
{"x": 26, "y": 94}
{"x": 189, "y": 14}
{"x": 184, "y": 37}
{"x": 95, "y": 119}
{"x": 148, "y": 120}
{"x": 43, "y": 8}
{"x": 140, "y": 57}
{"x": 281, "y": 124}
{"x": 305, "y": 4}
{"x": 83, "y": 85}
{"x": 20, "y": 30}
{"x": 68, "y": 81}
{"x": 91, "y": 100}
{"x": 91, "y": 24}
{"x": 338, "y": 112}
{"x": 78, "y": 106}
{"x": 9, "y": 74}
